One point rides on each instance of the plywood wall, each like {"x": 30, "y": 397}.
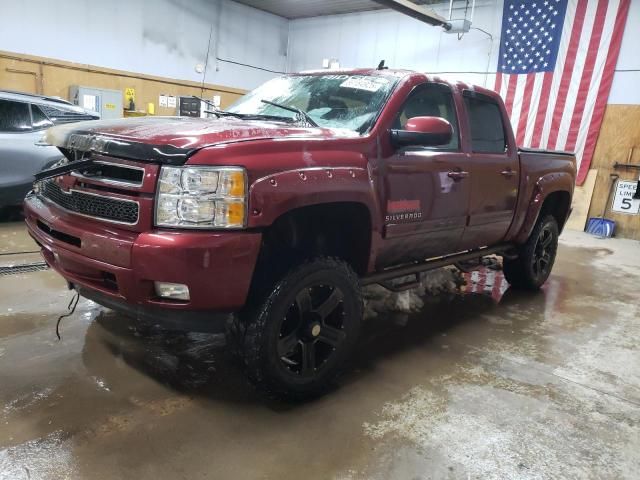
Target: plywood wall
{"x": 54, "y": 77}
{"x": 582, "y": 195}
{"x": 619, "y": 133}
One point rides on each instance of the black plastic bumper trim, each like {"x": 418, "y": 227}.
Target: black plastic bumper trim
{"x": 184, "y": 320}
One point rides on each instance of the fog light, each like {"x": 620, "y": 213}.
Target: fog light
{"x": 176, "y": 291}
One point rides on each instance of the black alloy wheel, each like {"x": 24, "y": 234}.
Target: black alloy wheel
{"x": 535, "y": 258}
{"x": 297, "y": 339}
{"x": 542, "y": 258}
{"x": 312, "y": 329}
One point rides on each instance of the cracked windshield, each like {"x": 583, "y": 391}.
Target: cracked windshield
{"x": 333, "y": 101}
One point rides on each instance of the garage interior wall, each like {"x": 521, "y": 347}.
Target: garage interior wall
{"x": 363, "y": 39}
{"x": 40, "y": 75}
{"x": 619, "y": 139}
{"x": 164, "y": 38}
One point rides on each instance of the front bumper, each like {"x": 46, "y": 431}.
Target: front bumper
{"x": 118, "y": 265}
{"x": 185, "y": 320}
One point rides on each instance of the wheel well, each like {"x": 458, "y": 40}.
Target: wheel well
{"x": 557, "y": 204}
{"x": 340, "y": 229}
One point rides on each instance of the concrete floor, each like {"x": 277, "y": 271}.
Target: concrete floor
{"x": 490, "y": 383}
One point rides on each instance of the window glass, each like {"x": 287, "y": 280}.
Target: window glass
{"x": 350, "y": 102}
{"x": 14, "y": 116}
{"x": 40, "y": 120}
{"x": 66, "y": 114}
{"x": 431, "y": 101}
{"x": 485, "y": 121}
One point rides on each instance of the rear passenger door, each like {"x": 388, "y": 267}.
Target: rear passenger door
{"x": 494, "y": 171}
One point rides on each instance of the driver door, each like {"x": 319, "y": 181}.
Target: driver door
{"x": 427, "y": 188}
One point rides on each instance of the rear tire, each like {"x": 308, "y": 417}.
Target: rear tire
{"x": 298, "y": 338}
{"x": 535, "y": 258}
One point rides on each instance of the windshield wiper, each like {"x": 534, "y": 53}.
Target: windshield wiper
{"x": 216, "y": 111}
{"x": 302, "y": 115}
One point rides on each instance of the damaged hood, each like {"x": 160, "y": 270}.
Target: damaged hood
{"x": 172, "y": 140}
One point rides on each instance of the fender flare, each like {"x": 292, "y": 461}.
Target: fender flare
{"x": 274, "y": 195}
{"x": 544, "y": 186}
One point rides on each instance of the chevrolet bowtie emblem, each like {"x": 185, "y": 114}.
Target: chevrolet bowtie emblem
{"x": 81, "y": 142}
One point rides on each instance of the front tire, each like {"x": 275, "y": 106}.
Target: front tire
{"x": 535, "y": 258}
{"x": 298, "y": 339}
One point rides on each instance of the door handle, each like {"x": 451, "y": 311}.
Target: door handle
{"x": 457, "y": 175}
{"x": 508, "y": 173}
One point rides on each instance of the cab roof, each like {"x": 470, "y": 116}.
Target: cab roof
{"x": 32, "y": 97}
{"x": 400, "y": 73}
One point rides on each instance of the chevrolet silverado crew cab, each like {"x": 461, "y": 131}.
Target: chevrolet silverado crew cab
{"x": 266, "y": 221}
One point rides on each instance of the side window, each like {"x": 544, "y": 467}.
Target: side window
{"x": 431, "y": 100}
{"x": 39, "y": 119}
{"x": 14, "y": 116}
{"x": 485, "y": 122}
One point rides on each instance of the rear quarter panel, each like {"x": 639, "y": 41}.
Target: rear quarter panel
{"x": 542, "y": 173}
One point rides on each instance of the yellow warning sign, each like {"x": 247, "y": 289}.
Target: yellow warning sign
{"x": 129, "y": 95}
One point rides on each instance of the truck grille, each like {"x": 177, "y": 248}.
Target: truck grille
{"x": 91, "y": 205}
{"x": 111, "y": 173}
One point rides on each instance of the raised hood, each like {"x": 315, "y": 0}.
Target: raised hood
{"x": 171, "y": 139}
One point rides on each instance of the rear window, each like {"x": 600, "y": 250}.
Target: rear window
{"x": 485, "y": 122}
{"x": 14, "y": 116}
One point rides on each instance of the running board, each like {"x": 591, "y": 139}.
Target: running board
{"x": 383, "y": 277}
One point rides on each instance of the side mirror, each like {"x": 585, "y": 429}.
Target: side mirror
{"x": 424, "y": 131}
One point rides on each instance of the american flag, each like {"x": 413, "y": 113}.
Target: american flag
{"x": 555, "y": 68}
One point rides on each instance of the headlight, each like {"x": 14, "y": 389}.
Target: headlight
{"x": 201, "y": 197}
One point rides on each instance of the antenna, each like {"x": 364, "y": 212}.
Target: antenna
{"x": 381, "y": 66}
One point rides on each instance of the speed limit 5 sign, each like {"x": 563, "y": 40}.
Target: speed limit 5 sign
{"x": 623, "y": 201}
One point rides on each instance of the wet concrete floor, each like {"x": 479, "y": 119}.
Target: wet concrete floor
{"x": 489, "y": 383}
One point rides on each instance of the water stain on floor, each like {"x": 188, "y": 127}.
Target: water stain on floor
{"x": 485, "y": 382}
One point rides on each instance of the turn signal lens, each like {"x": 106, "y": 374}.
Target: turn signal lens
{"x": 232, "y": 183}
{"x": 230, "y": 213}
{"x": 236, "y": 213}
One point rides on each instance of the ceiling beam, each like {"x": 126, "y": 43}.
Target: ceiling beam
{"x": 415, "y": 11}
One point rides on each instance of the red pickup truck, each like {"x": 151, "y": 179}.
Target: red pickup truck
{"x": 282, "y": 207}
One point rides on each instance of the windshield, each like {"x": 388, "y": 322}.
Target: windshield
{"x": 334, "y": 101}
